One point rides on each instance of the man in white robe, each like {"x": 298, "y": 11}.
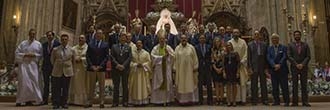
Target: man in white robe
{"x": 240, "y": 47}
{"x": 162, "y": 62}
{"x": 138, "y": 80}
{"x": 27, "y": 56}
{"x": 186, "y": 68}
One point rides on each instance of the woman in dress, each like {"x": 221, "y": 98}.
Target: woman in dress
{"x": 78, "y": 86}
{"x": 217, "y": 67}
{"x": 231, "y": 63}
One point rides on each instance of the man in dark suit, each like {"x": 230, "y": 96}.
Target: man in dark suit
{"x": 169, "y": 36}
{"x": 121, "y": 55}
{"x": 257, "y": 63}
{"x": 229, "y": 34}
{"x": 114, "y": 37}
{"x": 47, "y": 67}
{"x": 210, "y": 35}
{"x": 138, "y": 35}
{"x": 201, "y": 31}
{"x": 203, "y": 51}
{"x": 97, "y": 56}
{"x": 299, "y": 56}
{"x": 151, "y": 39}
{"x": 90, "y": 36}
{"x": 276, "y": 56}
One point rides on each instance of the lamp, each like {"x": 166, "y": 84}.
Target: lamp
{"x": 15, "y": 26}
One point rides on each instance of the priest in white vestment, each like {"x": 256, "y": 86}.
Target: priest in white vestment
{"x": 27, "y": 56}
{"x": 162, "y": 62}
{"x": 78, "y": 84}
{"x": 138, "y": 80}
{"x": 240, "y": 47}
{"x": 186, "y": 72}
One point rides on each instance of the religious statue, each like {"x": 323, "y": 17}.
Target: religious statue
{"x": 165, "y": 18}
{"x": 192, "y": 24}
{"x": 136, "y": 21}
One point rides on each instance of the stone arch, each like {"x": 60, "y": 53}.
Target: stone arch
{"x": 228, "y": 19}
{"x": 264, "y": 34}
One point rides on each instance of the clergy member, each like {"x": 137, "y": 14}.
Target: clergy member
{"x": 27, "y": 55}
{"x": 138, "y": 81}
{"x": 241, "y": 48}
{"x": 186, "y": 67}
{"x": 78, "y": 85}
{"x": 162, "y": 61}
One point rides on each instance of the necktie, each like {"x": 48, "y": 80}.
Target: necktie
{"x": 276, "y": 50}
{"x": 63, "y": 53}
{"x": 98, "y": 44}
{"x": 204, "y": 50}
{"x": 49, "y": 47}
{"x": 299, "y": 47}
{"x": 258, "y": 46}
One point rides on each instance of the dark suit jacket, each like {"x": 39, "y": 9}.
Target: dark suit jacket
{"x": 227, "y": 37}
{"x": 203, "y": 60}
{"x": 295, "y": 58}
{"x": 151, "y": 42}
{"x": 137, "y": 37}
{"x": 279, "y": 58}
{"x": 258, "y": 63}
{"x": 97, "y": 55}
{"x": 122, "y": 57}
{"x": 46, "y": 64}
{"x": 113, "y": 39}
{"x": 210, "y": 36}
{"x": 90, "y": 37}
{"x": 171, "y": 40}
{"x": 193, "y": 40}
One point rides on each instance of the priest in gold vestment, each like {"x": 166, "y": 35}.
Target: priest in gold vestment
{"x": 138, "y": 80}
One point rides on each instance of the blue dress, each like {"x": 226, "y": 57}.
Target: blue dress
{"x": 231, "y": 63}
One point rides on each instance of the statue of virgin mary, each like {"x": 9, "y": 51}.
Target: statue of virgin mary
{"x": 165, "y": 18}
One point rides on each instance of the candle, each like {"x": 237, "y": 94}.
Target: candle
{"x": 145, "y": 30}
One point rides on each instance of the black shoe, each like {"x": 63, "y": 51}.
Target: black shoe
{"x": 294, "y": 104}
{"x": 286, "y": 104}
{"x": 125, "y": 105}
{"x": 56, "y": 107}
{"x": 265, "y": 103}
{"x": 234, "y": 105}
{"x": 44, "y": 103}
{"x": 114, "y": 105}
{"x": 243, "y": 104}
{"x": 200, "y": 103}
{"x": 275, "y": 104}
{"x": 254, "y": 104}
{"x": 65, "y": 106}
{"x": 209, "y": 103}
{"x": 29, "y": 104}
{"x": 18, "y": 105}
{"x": 101, "y": 105}
{"x": 88, "y": 106}
{"x": 306, "y": 105}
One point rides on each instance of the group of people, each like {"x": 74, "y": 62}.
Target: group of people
{"x": 322, "y": 73}
{"x": 160, "y": 68}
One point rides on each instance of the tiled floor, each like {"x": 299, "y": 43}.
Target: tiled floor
{"x": 315, "y": 106}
